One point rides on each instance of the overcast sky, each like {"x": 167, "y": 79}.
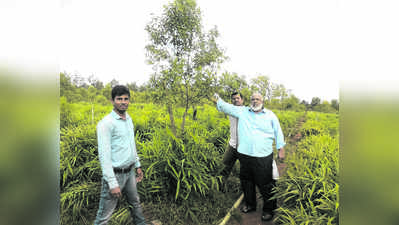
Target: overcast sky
{"x": 292, "y": 42}
{"x": 306, "y": 45}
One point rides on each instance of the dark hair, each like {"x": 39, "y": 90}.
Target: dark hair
{"x": 236, "y": 93}
{"x": 120, "y": 90}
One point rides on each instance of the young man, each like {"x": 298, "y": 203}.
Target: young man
{"x": 119, "y": 160}
{"x": 257, "y": 129}
{"x": 231, "y": 155}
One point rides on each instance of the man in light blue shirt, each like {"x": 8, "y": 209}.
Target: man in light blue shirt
{"x": 257, "y": 128}
{"x": 118, "y": 159}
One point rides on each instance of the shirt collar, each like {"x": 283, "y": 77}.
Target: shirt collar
{"x": 117, "y": 116}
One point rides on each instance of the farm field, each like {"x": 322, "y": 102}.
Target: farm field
{"x": 181, "y": 181}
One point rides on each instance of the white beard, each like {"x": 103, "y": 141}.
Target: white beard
{"x": 257, "y": 108}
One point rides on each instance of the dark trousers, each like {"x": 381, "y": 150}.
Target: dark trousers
{"x": 257, "y": 171}
{"x": 229, "y": 159}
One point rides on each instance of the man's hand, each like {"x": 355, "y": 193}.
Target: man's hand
{"x": 281, "y": 154}
{"x": 215, "y": 97}
{"x": 140, "y": 175}
{"x": 116, "y": 192}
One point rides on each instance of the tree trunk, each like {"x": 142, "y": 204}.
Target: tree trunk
{"x": 194, "y": 113}
{"x": 183, "y": 123}
{"x": 92, "y": 113}
{"x": 172, "y": 119}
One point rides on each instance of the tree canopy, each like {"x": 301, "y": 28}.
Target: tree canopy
{"x": 185, "y": 58}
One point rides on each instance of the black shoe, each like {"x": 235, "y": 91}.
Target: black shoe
{"x": 266, "y": 216}
{"x": 247, "y": 209}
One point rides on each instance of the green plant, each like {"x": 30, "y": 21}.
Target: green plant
{"x": 308, "y": 192}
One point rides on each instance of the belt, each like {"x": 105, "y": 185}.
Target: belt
{"x": 123, "y": 170}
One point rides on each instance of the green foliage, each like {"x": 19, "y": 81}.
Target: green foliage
{"x": 77, "y": 114}
{"x": 263, "y": 85}
{"x": 75, "y": 89}
{"x": 77, "y": 203}
{"x": 319, "y": 123}
{"x": 65, "y": 84}
{"x": 325, "y": 107}
{"x": 179, "y": 170}
{"x": 315, "y": 102}
{"x": 206, "y": 209}
{"x": 180, "y": 167}
{"x": 185, "y": 58}
{"x": 308, "y": 192}
{"x": 65, "y": 112}
{"x": 335, "y": 104}
{"x": 229, "y": 83}
{"x": 183, "y": 172}
{"x": 80, "y": 173}
{"x": 288, "y": 121}
{"x": 174, "y": 87}
{"x": 292, "y": 103}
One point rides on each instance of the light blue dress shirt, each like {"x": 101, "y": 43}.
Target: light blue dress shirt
{"x": 256, "y": 131}
{"x": 116, "y": 145}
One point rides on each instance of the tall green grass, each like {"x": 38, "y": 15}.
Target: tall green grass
{"x": 181, "y": 174}
{"x": 308, "y": 192}
{"x": 288, "y": 121}
{"x": 180, "y": 171}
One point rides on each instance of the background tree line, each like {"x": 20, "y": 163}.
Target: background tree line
{"x": 77, "y": 88}
{"x": 186, "y": 59}
{"x": 179, "y": 133}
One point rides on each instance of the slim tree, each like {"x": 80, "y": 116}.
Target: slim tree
{"x": 315, "y": 102}
{"x": 185, "y": 59}
{"x": 264, "y": 86}
{"x": 231, "y": 82}
{"x": 335, "y": 104}
{"x": 92, "y": 93}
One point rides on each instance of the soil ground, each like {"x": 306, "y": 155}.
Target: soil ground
{"x": 253, "y": 218}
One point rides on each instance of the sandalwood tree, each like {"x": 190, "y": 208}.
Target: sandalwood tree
{"x": 185, "y": 58}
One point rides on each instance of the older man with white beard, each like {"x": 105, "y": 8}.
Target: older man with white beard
{"x": 257, "y": 129}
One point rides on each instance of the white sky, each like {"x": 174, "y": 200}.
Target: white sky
{"x": 292, "y": 42}
{"x": 307, "y": 45}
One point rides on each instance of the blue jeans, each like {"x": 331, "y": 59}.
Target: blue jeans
{"x": 127, "y": 184}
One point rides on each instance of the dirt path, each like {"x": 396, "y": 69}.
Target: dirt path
{"x": 254, "y": 218}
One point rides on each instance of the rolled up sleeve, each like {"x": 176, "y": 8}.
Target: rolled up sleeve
{"x": 229, "y": 109}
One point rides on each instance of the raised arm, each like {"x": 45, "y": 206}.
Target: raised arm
{"x": 227, "y": 108}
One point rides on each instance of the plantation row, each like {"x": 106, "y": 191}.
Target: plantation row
{"x": 181, "y": 174}
{"x": 309, "y": 190}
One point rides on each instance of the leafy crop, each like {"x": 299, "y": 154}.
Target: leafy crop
{"x": 177, "y": 170}
{"x": 308, "y": 192}
{"x": 182, "y": 179}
